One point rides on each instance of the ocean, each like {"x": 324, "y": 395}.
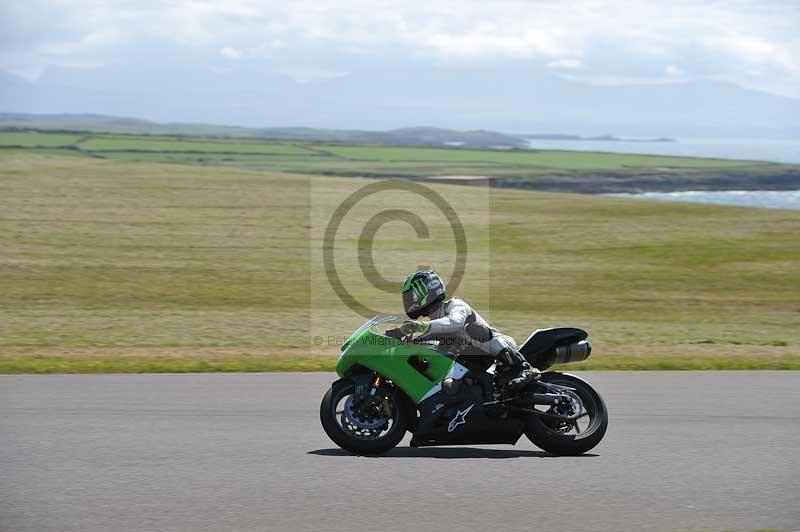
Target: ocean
{"x": 773, "y": 199}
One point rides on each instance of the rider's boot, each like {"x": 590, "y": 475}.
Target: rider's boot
{"x": 516, "y": 371}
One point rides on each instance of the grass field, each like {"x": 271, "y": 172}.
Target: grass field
{"x": 36, "y": 140}
{"x": 134, "y": 144}
{"x": 112, "y": 265}
{"x": 545, "y": 159}
{"x": 544, "y": 170}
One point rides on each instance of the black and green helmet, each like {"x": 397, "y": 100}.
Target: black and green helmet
{"x": 421, "y": 290}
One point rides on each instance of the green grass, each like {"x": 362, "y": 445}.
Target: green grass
{"x": 277, "y": 363}
{"x": 123, "y": 264}
{"x": 166, "y": 145}
{"x": 237, "y": 364}
{"x": 546, "y": 159}
{"x": 547, "y": 170}
{"x": 686, "y": 362}
{"x": 34, "y": 140}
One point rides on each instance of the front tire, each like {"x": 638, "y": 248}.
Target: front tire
{"x": 563, "y": 438}
{"x": 359, "y": 439}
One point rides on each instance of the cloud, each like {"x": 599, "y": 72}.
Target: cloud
{"x": 674, "y": 72}
{"x": 750, "y": 42}
{"x": 489, "y": 40}
{"x": 566, "y": 64}
{"x": 229, "y": 52}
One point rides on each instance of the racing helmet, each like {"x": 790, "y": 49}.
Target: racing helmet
{"x": 421, "y": 290}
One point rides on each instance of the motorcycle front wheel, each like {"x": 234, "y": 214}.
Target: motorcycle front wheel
{"x": 574, "y": 429}
{"x": 362, "y": 424}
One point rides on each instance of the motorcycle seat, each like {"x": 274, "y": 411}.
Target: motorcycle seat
{"x": 542, "y": 340}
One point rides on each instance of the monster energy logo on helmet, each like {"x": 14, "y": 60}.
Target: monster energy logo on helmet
{"x": 421, "y": 290}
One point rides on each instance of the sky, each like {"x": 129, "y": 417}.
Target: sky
{"x": 754, "y": 45}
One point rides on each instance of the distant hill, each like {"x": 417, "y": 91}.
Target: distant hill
{"x": 560, "y": 136}
{"x": 95, "y": 123}
{"x": 372, "y": 98}
{"x": 404, "y": 136}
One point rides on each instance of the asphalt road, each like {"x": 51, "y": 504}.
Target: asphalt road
{"x": 232, "y": 452}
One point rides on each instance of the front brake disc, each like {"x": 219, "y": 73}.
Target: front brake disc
{"x": 359, "y": 420}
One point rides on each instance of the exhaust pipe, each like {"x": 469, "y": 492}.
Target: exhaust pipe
{"x": 572, "y": 352}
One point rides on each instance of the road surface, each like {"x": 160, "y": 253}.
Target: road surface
{"x": 245, "y": 452}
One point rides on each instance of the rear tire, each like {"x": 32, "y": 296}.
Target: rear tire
{"x": 348, "y": 440}
{"x": 545, "y": 434}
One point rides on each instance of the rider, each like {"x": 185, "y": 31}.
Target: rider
{"x": 424, "y": 295}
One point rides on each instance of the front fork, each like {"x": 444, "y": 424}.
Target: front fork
{"x": 367, "y": 385}
{"x": 376, "y": 383}
{"x": 405, "y": 403}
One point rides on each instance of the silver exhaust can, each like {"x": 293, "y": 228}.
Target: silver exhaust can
{"x": 573, "y": 352}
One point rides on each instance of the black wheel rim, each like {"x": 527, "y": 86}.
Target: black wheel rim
{"x": 588, "y": 420}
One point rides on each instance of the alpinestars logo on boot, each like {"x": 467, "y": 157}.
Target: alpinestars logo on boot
{"x": 459, "y": 419}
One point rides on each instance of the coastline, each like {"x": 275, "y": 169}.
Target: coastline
{"x": 782, "y": 178}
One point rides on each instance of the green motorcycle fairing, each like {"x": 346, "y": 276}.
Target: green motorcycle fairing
{"x": 393, "y": 358}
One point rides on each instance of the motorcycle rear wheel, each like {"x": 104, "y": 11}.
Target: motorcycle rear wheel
{"x": 553, "y": 435}
{"x": 358, "y": 439}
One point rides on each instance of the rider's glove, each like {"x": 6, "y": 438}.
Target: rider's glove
{"x": 411, "y": 326}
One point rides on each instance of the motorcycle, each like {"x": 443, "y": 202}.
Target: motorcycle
{"x": 391, "y": 383}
